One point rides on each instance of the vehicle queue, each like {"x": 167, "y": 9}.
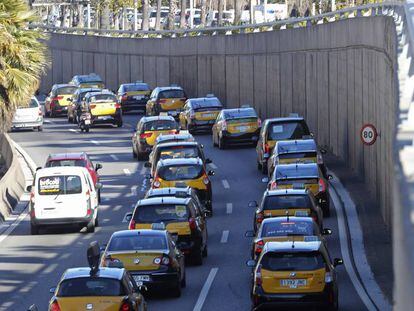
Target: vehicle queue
{"x": 167, "y": 229}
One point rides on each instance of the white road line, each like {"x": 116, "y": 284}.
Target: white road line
{"x": 225, "y": 236}
{"x": 72, "y": 130}
{"x": 114, "y": 157}
{"x": 204, "y": 291}
{"x": 13, "y": 226}
{"x": 143, "y": 170}
{"x": 225, "y": 183}
{"x": 127, "y": 172}
{"x": 229, "y": 208}
{"x": 50, "y": 268}
{"x": 343, "y": 239}
{"x": 117, "y": 208}
{"x": 213, "y": 166}
{"x": 134, "y": 191}
{"x": 95, "y": 142}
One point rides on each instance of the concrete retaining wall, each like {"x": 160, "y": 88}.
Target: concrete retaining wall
{"x": 338, "y": 75}
{"x": 13, "y": 182}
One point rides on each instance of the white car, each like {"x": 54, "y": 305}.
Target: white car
{"x": 29, "y": 117}
{"x": 63, "y": 196}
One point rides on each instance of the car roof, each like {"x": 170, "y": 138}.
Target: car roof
{"x": 63, "y": 85}
{"x": 296, "y": 170}
{"x": 284, "y": 119}
{"x": 134, "y": 83}
{"x": 155, "y": 118}
{"x": 88, "y": 89}
{"x": 179, "y": 161}
{"x": 290, "y": 247}
{"x": 179, "y": 137}
{"x": 293, "y": 146}
{"x": 170, "y": 191}
{"x": 67, "y": 156}
{"x": 103, "y": 91}
{"x": 247, "y": 112}
{"x": 131, "y": 233}
{"x": 61, "y": 170}
{"x": 112, "y": 273}
{"x": 205, "y": 102}
{"x": 163, "y": 200}
{"x": 177, "y": 143}
{"x": 284, "y": 219}
{"x": 166, "y": 88}
{"x": 284, "y": 192}
{"x": 92, "y": 77}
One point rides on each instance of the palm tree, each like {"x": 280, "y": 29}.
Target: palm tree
{"x": 158, "y": 17}
{"x": 22, "y": 60}
{"x": 171, "y": 14}
{"x": 182, "y": 13}
{"x": 237, "y": 11}
{"x": 220, "y": 13}
{"x": 203, "y": 12}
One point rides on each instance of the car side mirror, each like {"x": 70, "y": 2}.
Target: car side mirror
{"x": 253, "y": 204}
{"x": 38, "y": 168}
{"x": 326, "y": 231}
{"x": 29, "y": 188}
{"x": 70, "y": 99}
{"x": 142, "y": 288}
{"x": 311, "y": 134}
{"x": 127, "y": 217}
{"x": 251, "y": 263}
{"x": 338, "y": 262}
{"x": 330, "y": 177}
{"x": 208, "y": 161}
{"x": 98, "y": 166}
{"x": 211, "y": 173}
{"x": 98, "y": 185}
{"x": 147, "y": 164}
{"x": 202, "y": 146}
{"x": 52, "y": 290}
{"x": 33, "y": 308}
{"x": 102, "y": 247}
{"x": 249, "y": 234}
{"x": 265, "y": 180}
{"x": 207, "y": 213}
{"x": 322, "y": 150}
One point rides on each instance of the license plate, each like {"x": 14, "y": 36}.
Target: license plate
{"x": 293, "y": 283}
{"x": 138, "y": 97}
{"x": 298, "y": 185}
{"x": 141, "y": 278}
{"x": 172, "y": 113}
{"x": 104, "y": 118}
{"x": 87, "y": 122}
{"x": 242, "y": 128}
{"x": 208, "y": 115}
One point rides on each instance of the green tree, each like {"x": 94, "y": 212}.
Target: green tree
{"x": 23, "y": 58}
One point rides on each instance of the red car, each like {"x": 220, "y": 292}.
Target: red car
{"x": 76, "y": 159}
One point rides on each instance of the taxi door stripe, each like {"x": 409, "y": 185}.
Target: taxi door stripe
{"x": 204, "y": 291}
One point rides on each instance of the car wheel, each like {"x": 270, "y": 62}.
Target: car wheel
{"x": 140, "y": 156}
{"x": 119, "y": 123}
{"x": 134, "y": 154}
{"x": 264, "y": 169}
{"x": 184, "y": 281}
{"x": 221, "y": 143}
{"x": 96, "y": 221}
{"x": 197, "y": 257}
{"x": 177, "y": 290}
{"x": 90, "y": 227}
{"x": 214, "y": 142}
{"x": 205, "y": 251}
{"x": 69, "y": 119}
{"x": 34, "y": 230}
{"x": 87, "y": 130}
{"x": 40, "y": 128}
{"x": 99, "y": 196}
{"x": 259, "y": 166}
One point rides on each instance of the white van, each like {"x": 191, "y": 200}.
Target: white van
{"x": 63, "y": 196}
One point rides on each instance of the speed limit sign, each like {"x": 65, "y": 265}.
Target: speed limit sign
{"x": 368, "y": 134}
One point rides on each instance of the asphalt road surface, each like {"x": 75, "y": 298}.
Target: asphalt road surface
{"x": 30, "y": 265}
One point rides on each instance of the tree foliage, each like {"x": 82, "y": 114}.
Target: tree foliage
{"x": 23, "y": 58}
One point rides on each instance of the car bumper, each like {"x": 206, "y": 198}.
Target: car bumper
{"x": 158, "y": 280}
{"x": 61, "y": 110}
{"x": 189, "y": 244}
{"x": 29, "y": 124}
{"x": 201, "y": 125}
{"x": 106, "y": 119}
{"x": 240, "y": 137}
{"x": 134, "y": 104}
{"x": 60, "y": 221}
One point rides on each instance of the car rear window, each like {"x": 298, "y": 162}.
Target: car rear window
{"x": 83, "y": 287}
{"x": 240, "y": 114}
{"x": 287, "y": 228}
{"x": 180, "y": 172}
{"x": 287, "y": 130}
{"x": 300, "y": 261}
{"x": 160, "y": 125}
{"x": 67, "y": 90}
{"x": 32, "y": 104}
{"x": 172, "y": 94}
{"x": 178, "y": 152}
{"x": 211, "y": 104}
{"x": 54, "y": 185}
{"x": 103, "y": 98}
{"x": 292, "y": 171}
{"x": 276, "y": 202}
{"x": 297, "y": 155}
{"x": 137, "y": 243}
{"x": 55, "y": 163}
{"x": 161, "y": 213}
{"x": 136, "y": 87}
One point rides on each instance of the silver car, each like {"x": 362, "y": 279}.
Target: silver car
{"x": 30, "y": 116}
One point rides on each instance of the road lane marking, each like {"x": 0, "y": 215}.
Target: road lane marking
{"x": 127, "y": 172}
{"x": 95, "y": 142}
{"x": 117, "y": 208}
{"x": 50, "y": 268}
{"x": 225, "y": 236}
{"x": 73, "y": 130}
{"x": 143, "y": 170}
{"x": 134, "y": 191}
{"x": 225, "y": 183}
{"x": 204, "y": 291}
{"x": 229, "y": 208}
{"x": 114, "y": 157}
{"x": 213, "y": 166}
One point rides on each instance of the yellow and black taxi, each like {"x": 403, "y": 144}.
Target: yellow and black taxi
{"x": 185, "y": 173}
{"x": 302, "y": 176}
{"x": 181, "y": 136}
{"x": 59, "y": 99}
{"x": 147, "y": 131}
{"x": 240, "y": 125}
{"x": 187, "y": 192}
{"x": 296, "y": 151}
{"x": 78, "y": 98}
{"x": 181, "y": 218}
{"x": 294, "y": 274}
{"x": 95, "y": 288}
{"x": 133, "y": 96}
{"x": 279, "y": 229}
{"x": 286, "y": 202}
{"x": 275, "y": 129}
{"x": 174, "y": 150}
{"x": 169, "y": 99}
{"x": 104, "y": 108}
{"x": 199, "y": 114}
{"x": 150, "y": 256}
{"x": 91, "y": 80}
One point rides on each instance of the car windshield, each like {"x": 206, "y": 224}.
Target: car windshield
{"x": 287, "y": 130}
{"x": 180, "y": 172}
{"x": 300, "y": 261}
{"x": 172, "y": 94}
{"x": 32, "y": 104}
{"x": 103, "y": 98}
{"x": 286, "y": 228}
{"x": 276, "y": 202}
{"x": 179, "y": 152}
{"x": 160, "y": 213}
{"x": 67, "y": 90}
{"x": 137, "y": 243}
{"x": 54, "y": 163}
{"x": 160, "y": 125}
{"x": 136, "y": 87}
{"x": 90, "y": 286}
{"x": 54, "y": 185}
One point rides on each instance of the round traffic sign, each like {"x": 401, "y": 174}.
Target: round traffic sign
{"x": 368, "y": 134}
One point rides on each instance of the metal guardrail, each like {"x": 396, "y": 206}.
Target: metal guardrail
{"x": 384, "y": 8}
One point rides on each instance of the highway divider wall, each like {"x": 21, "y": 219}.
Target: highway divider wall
{"x": 13, "y": 182}
{"x": 338, "y": 75}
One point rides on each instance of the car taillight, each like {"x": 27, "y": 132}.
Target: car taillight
{"x": 32, "y": 196}
{"x": 258, "y": 276}
{"x": 92, "y": 106}
{"x": 132, "y": 224}
{"x": 124, "y": 97}
{"x": 259, "y": 247}
{"x": 315, "y": 219}
{"x": 145, "y": 135}
{"x": 125, "y": 306}
{"x": 54, "y": 306}
{"x": 162, "y": 101}
{"x": 40, "y": 112}
{"x": 224, "y": 125}
{"x": 206, "y": 181}
{"x": 259, "y": 122}
{"x": 273, "y": 185}
{"x": 322, "y": 185}
{"x": 156, "y": 183}
{"x": 57, "y": 98}
{"x": 117, "y": 106}
{"x": 165, "y": 261}
{"x": 259, "y": 217}
{"x": 266, "y": 148}
{"x": 192, "y": 223}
